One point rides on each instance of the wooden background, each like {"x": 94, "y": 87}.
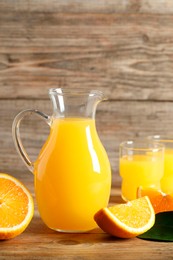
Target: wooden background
{"x": 122, "y": 47}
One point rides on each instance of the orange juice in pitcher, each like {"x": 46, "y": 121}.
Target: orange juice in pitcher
{"x": 72, "y": 172}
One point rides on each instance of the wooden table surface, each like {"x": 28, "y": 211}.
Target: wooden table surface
{"x": 40, "y": 242}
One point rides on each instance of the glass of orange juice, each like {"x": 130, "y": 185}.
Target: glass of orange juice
{"x": 167, "y": 179}
{"x": 141, "y": 164}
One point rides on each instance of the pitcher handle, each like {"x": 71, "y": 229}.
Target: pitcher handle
{"x": 16, "y": 134}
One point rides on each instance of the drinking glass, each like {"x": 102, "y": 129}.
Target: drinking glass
{"x": 167, "y": 179}
{"x": 141, "y": 164}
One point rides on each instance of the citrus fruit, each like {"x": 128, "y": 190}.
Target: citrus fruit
{"x": 127, "y": 220}
{"x": 161, "y": 201}
{"x": 16, "y": 207}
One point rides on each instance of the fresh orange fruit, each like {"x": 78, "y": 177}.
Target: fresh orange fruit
{"x": 127, "y": 220}
{"x": 161, "y": 202}
{"x": 16, "y": 207}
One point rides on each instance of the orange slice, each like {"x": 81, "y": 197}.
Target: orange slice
{"x": 127, "y": 220}
{"x": 161, "y": 202}
{"x": 16, "y": 207}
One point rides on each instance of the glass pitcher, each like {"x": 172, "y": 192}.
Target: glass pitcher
{"x": 72, "y": 172}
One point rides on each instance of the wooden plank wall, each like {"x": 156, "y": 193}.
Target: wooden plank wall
{"x": 124, "y": 48}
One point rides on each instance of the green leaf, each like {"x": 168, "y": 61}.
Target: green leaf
{"x": 162, "y": 229}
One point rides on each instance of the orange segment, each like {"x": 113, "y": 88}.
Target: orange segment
{"x": 127, "y": 220}
{"x": 16, "y": 207}
{"x": 161, "y": 202}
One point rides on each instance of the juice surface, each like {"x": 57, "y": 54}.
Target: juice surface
{"x": 72, "y": 175}
{"x": 167, "y": 180}
{"x": 139, "y": 170}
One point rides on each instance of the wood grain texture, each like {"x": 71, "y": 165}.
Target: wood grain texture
{"x": 124, "y": 48}
{"x": 129, "y": 56}
{"x": 101, "y": 6}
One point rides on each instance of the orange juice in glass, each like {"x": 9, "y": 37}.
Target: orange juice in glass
{"x": 141, "y": 164}
{"x": 167, "y": 179}
{"x": 72, "y": 172}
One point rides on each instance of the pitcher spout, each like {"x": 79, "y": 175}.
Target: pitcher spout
{"x": 75, "y": 102}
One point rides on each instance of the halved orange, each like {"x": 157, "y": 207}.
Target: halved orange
{"x": 127, "y": 220}
{"x": 161, "y": 201}
{"x": 16, "y": 207}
